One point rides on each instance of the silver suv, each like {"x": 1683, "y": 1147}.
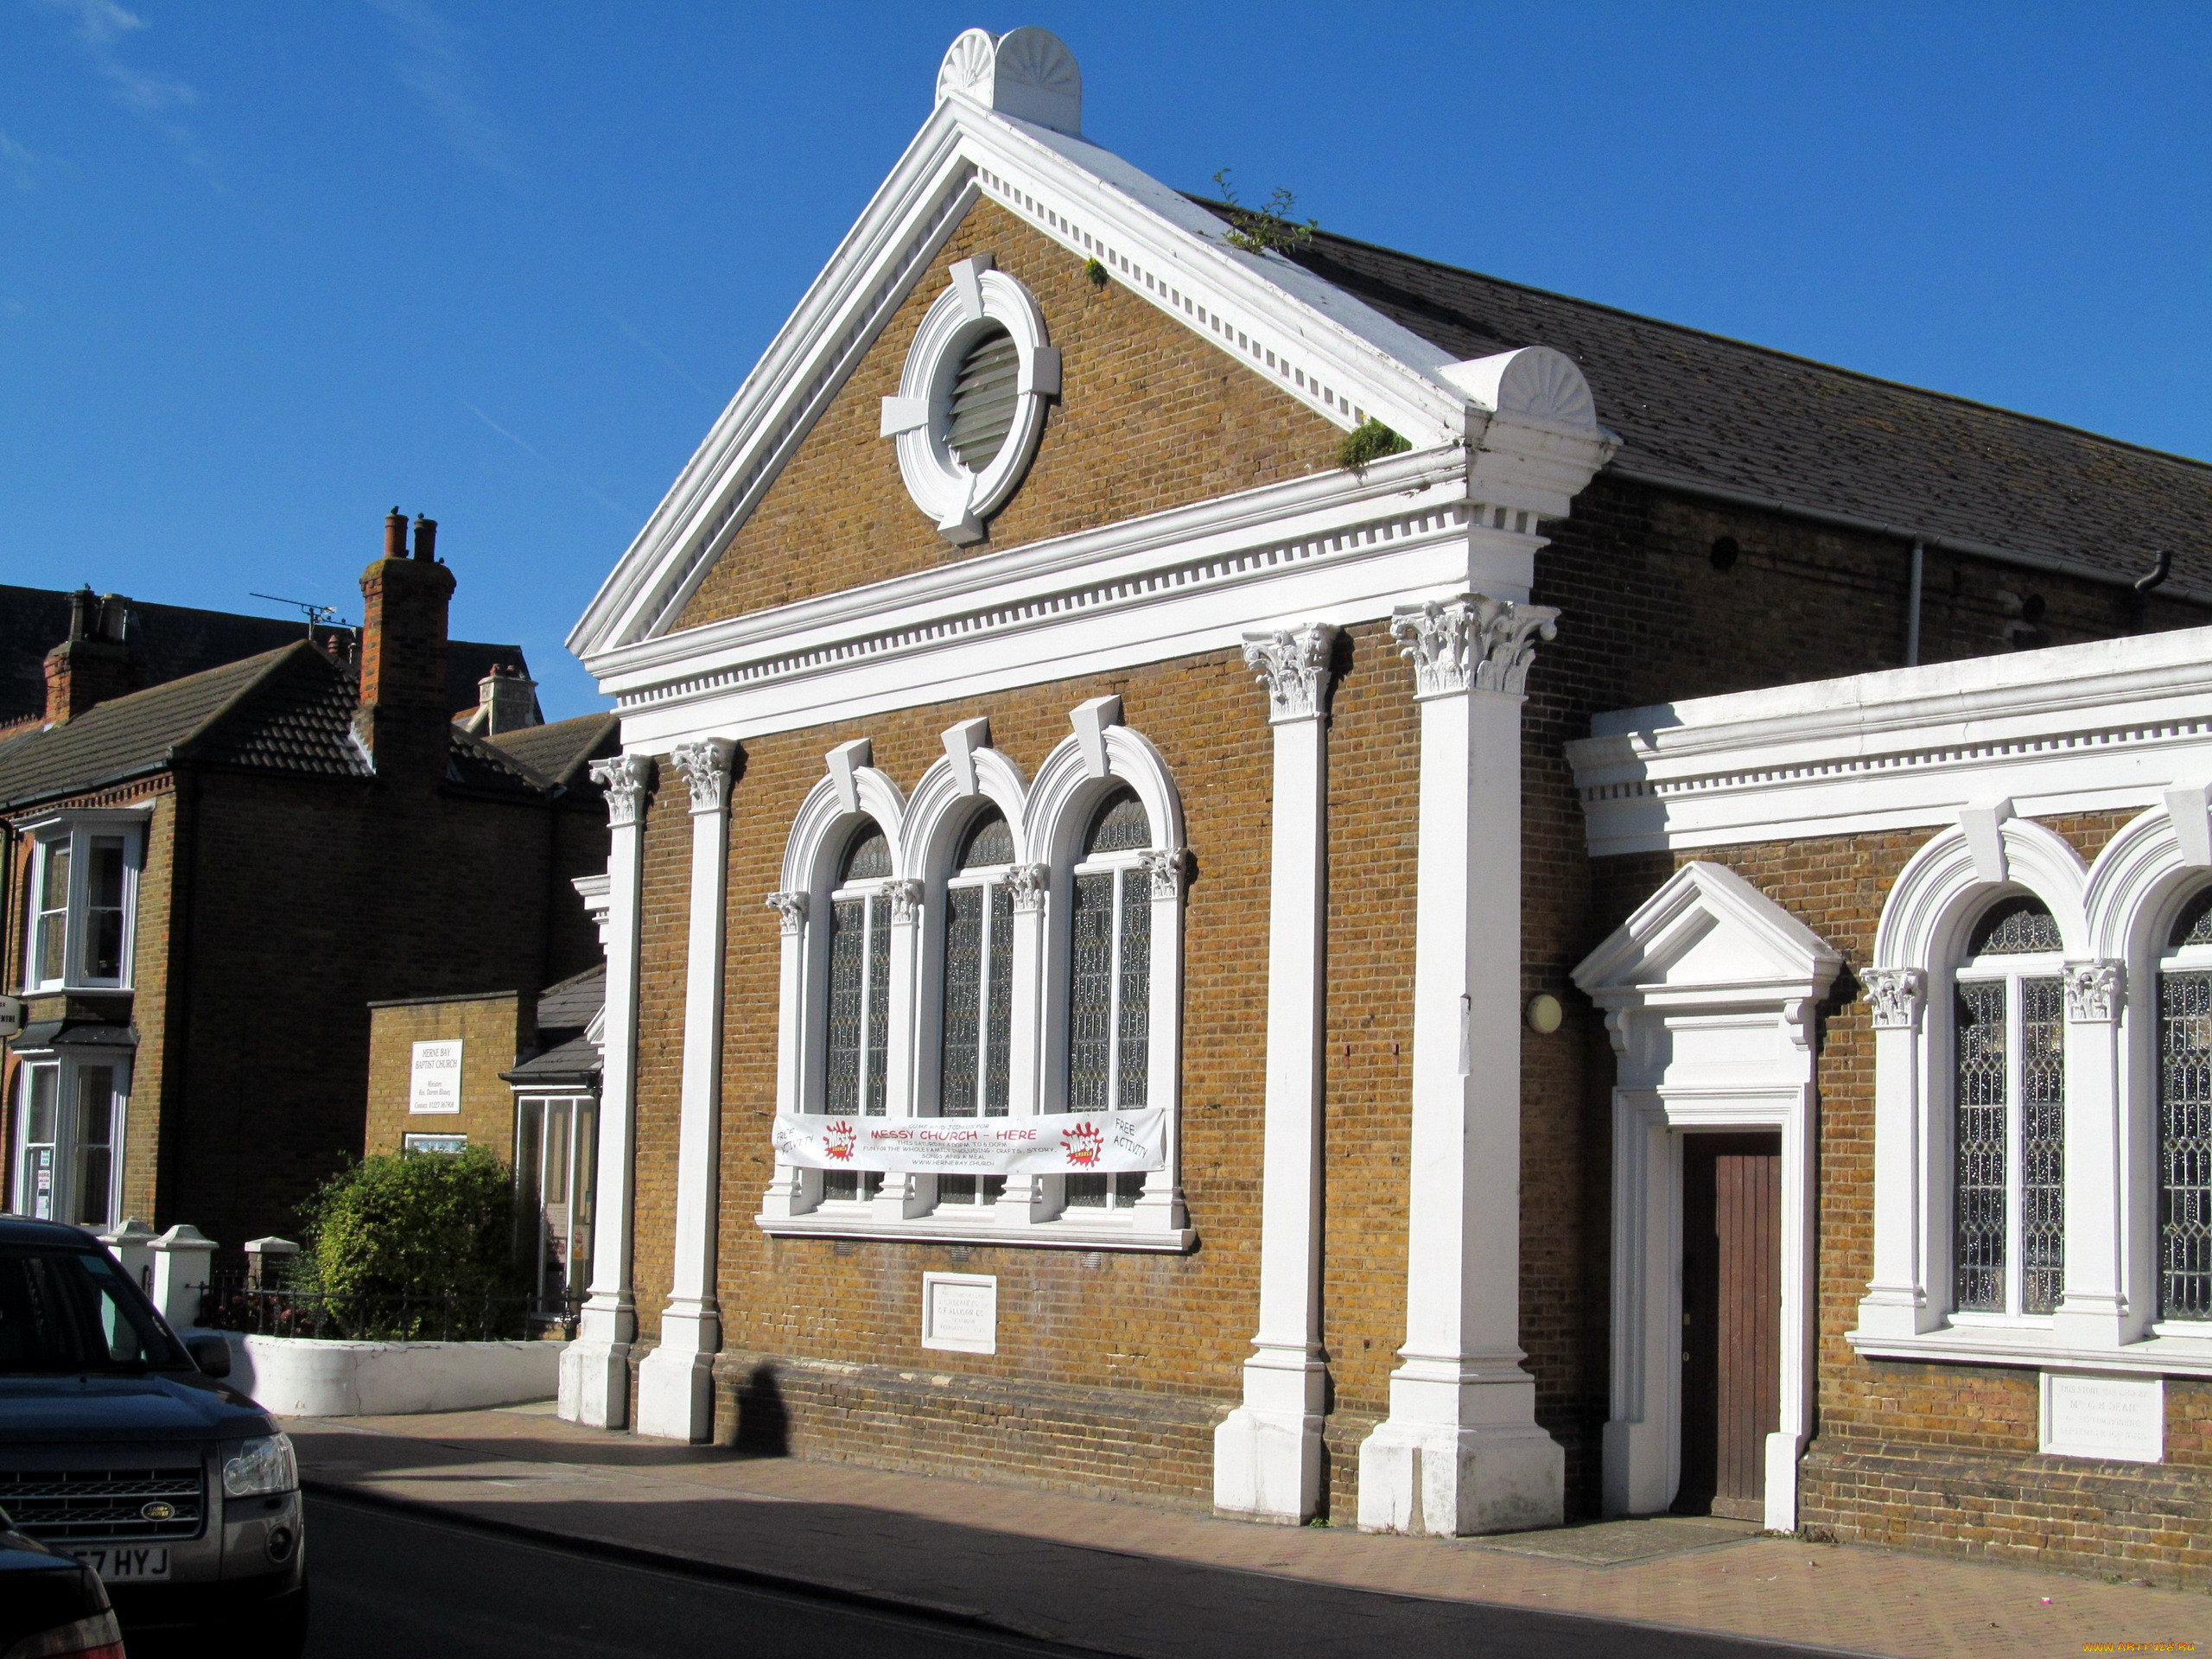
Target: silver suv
{"x": 126, "y": 1450}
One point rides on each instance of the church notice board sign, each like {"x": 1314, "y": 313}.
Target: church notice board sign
{"x": 435, "y": 1082}
{"x": 960, "y": 1312}
{"x": 2090, "y": 1415}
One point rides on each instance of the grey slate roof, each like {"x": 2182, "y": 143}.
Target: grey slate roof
{"x": 288, "y": 710}
{"x": 575, "y": 1002}
{"x": 1699, "y": 409}
{"x": 562, "y": 750}
{"x": 173, "y": 641}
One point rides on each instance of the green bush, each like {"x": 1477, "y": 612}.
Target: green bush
{"x": 1369, "y": 441}
{"x": 415, "y": 1228}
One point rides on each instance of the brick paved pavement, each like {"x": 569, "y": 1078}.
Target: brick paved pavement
{"x": 1133, "y": 1579}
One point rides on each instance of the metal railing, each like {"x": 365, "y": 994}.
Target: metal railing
{"x": 232, "y": 1302}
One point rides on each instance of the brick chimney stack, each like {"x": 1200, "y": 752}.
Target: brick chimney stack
{"x": 403, "y": 717}
{"x": 94, "y": 664}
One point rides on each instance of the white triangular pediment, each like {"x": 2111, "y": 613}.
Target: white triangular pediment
{"x": 1314, "y": 342}
{"x": 1707, "y": 931}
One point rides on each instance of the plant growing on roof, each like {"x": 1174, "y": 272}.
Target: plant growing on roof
{"x": 1369, "y": 441}
{"x": 1097, "y": 273}
{"x": 1262, "y": 230}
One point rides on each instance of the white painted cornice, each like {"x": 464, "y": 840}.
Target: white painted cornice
{"x": 1332, "y": 351}
{"x": 2110, "y": 724}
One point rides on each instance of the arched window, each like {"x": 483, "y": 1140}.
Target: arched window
{"x": 860, "y": 974}
{"x": 2185, "y": 1116}
{"x": 2009, "y": 1130}
{"x": 1110, "y": 982}
{"x": 975, "y": 1041}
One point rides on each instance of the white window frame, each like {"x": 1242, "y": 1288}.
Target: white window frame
{"x": 1046, "y": 820}
{"x": 2008, "y": 970}
{"x": 2176, "y": 959}
{"x": 2113, "y": 917}
{"x": 80, "y": 830}
{"x": 69, "y": 1066}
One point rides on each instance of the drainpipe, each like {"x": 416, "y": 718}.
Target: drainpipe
{"x": 1912, "y": 604}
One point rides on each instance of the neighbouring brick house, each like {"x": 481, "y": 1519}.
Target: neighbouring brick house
{"x": 1683, "y": 984}
{"x": 209, "y": 877}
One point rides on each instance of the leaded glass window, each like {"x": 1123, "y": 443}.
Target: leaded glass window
{"x": 974, "y": 1050}
{"x": 2185, "y": 1118}
{"x": 860, "y": 974}
{"x": 2008, "y": 1194}
{"x": 1110, "y": 983}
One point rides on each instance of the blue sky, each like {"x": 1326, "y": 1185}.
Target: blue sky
{"x": 266, "y": 269}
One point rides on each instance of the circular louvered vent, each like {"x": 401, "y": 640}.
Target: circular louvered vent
{"x": 983, "y": 408}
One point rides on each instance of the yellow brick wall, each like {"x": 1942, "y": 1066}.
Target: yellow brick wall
{"x": 1151, "y": 416}
{"x": 492, "y": 1030}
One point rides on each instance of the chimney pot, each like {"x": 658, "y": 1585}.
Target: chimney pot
{"x": 426, "y": 538}
{"x": 395, "y": 534}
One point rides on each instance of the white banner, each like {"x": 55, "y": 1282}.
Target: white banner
{"x": 1062, "y": 1143}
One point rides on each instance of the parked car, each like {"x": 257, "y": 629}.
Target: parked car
{"x": 121, "y": 1447}
{"x": 51, "y": 1604}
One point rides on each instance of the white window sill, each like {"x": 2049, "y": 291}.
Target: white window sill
{"x": 1105, "y": 1231}
{"x": 2025, "y": 1345}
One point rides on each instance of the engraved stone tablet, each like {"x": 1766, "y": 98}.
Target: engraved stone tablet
{"x": 2088, "y": 1415}
{"x": 960, "y": 1312}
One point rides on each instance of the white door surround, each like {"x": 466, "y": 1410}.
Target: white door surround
{"x": 1709, "y": 991}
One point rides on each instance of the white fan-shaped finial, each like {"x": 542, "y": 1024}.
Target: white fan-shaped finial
{"x": 1028, "y": 73}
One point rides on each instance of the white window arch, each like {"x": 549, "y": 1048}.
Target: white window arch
{"x": 988, "y": 880}
{"x": 1975, "y": 1081}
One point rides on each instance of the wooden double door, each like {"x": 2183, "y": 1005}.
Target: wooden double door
{"x": 1732, "y": 1321}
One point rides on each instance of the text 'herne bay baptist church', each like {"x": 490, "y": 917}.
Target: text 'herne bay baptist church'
{"x": 1685, "y": 982}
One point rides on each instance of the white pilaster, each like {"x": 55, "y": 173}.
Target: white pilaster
{"x": 787, "y": 1195}
{"x": 676, "y": 1383}
{"x": 595, "y": 1367}
{"x": 2095, "y": 1310}
{"x": 1460, "y": 1452}
{"x": 1268, "y": 1452}
{"x": 903, "y": 1195}
{"x": 1898, "y": 1302}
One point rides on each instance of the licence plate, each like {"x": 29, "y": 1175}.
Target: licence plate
{"x": 126, "y": 1563}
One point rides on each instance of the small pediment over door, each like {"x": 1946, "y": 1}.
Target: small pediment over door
{"x": 1709, "y": 976}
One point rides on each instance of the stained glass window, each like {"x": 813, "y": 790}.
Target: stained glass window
{"x": 860, "y": 964}
{"x": 1979, "y": 1202}
{"x": 2042, "y": 1145}
{"x": 2195, "y": 925}
{"x": 2016, "y": 927}
{"x": 2185, "y": 1145}
{"x": 2008, "y": 1208}
{"x": 1109, "y": 984}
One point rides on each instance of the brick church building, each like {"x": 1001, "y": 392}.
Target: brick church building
{"x": 1250, "y": 871}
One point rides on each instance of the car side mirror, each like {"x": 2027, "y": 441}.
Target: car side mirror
{"x": 211, "y": 1354}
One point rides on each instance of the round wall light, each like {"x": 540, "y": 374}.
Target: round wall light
{"x": 1545, "y": 1013}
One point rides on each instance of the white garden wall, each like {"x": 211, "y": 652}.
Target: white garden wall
{"x": 301, "y": 1376}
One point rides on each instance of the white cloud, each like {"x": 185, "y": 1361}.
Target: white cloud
{"x": 102, "y": 25}
{"x": 436, "y": 69}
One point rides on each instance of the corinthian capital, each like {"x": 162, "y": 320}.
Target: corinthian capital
{"x": 1473, "y": 642}
{"x": 626, "y": 779}
{"x": 790, "y": 910}
{"x": 2092, "y": 991}
{"x": 1027, "y": 884}
{"x": 1894, "y": 994}
{"x": 1165, "y": 867}
{"x": 905, "y": 898}
{"x": 1293, "y": 665}
{"x": 705, "y": 766}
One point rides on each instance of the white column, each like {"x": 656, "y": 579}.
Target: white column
{"x": 184, "y": 1260}
{"x": 1898, "y": 1302}
{"x": 595, "y": 1367}
{"x": 903, "y": 1195}
{"x": 1266, "y": 1454}
{"x": 676, "y": 1383}
{"x": 1027, "y": 1198}
{"x": 787, "y": 1192}
{"x": 1460, "y": 1452}
{"x": 2094, "y": 1311}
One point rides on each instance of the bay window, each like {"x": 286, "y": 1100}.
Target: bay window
{"x": 83, "y": 885}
